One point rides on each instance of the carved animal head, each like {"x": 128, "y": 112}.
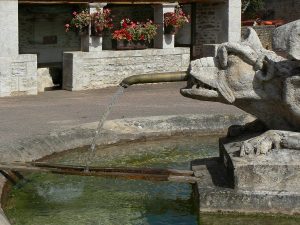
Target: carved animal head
{"x": 246, "y": 75}
{"x": 208, "y": 81}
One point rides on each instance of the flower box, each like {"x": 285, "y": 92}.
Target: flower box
{"x": 170, "y": 29}
{"x": 134, "y": 35}
{"x": 98, "y": 21}
{"x": 175, "y": 20}
{"x": 131, "y": 45}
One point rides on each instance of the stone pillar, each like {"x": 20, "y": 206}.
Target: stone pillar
{"x": 234, "y": 20}
{"x": 9, "y": 37}
{"x": 216, "y": 23}
{"x": 17, "y": 72}
{"x": 92, "y": 43}
{"x": 163, "y": 40}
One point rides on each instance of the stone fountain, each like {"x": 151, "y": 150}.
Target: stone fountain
{"x": 261, "y": 159}
{"x": 259, "y": 165}
{"x": 258, "y": 169}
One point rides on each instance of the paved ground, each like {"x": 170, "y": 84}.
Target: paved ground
{"x": 25, "y": 116}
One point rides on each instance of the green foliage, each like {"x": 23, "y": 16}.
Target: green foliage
{"x": 252, "y": 9}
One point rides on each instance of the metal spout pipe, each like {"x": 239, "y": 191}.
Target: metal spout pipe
{"x": 154, "y": 78}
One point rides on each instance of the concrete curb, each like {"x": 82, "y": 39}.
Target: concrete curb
{"x": 118, "y": 130}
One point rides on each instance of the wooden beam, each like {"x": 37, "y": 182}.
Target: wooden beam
{"x": 153, "y": 174}
{"x": 9, "y": 176}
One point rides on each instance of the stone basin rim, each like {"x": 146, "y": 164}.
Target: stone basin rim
{"x": 116, "y": 131}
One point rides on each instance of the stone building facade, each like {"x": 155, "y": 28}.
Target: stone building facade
{"x": 265, "y": 34}
{"x": 35, "y": 39}
{"x": 288, "y": 10}
{"x": 215, "y": 23}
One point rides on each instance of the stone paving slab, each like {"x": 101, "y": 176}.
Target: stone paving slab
{"x": 27, "y": 116}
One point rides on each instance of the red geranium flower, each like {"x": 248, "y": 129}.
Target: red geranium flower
{"x": 135, "y": 31}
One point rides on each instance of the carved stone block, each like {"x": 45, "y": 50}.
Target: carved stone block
{"x": 277, "y": 171}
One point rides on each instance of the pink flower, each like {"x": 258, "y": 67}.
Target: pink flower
{"x": 67, "y": 26}
{"x": 124, "y": 24}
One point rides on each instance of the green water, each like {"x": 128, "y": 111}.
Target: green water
{"x": 48, "y": 199}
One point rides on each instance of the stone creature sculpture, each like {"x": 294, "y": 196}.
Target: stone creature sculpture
{"x": 257, "y": 81}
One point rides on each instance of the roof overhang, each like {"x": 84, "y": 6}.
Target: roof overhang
{"x": 115, "y": 1}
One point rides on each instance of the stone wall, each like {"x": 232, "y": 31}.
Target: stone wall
{"x": 42, "y": 32}
{"x": 39, "y": 24}
{"x": 289, "y": 10}
{"x": 134, "y": 12}
{"x": 82, "y": 70}
{"x": 264, "y": 33}
{"x": 18, "y": 75}
{"x": 208, "y": 27}
{"x": 17, "y": 72}
{"x": 216, "y": 23}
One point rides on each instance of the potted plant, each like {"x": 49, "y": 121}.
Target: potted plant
{"x": 100, "y": 21}
{"x": 80, "y": 22}
{"x": 134, "y": 35}
{"x": 175, "y": 20}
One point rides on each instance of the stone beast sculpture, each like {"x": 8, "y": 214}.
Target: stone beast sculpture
{"x": 257, "y": 81}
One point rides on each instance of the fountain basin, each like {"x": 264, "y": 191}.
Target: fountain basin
{"x": 124, "y": 131}
{"x": 85, "y": 200}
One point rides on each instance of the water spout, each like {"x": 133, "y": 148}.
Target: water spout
{"x": 154, "y": 78}
{"x": 136, "y": 79}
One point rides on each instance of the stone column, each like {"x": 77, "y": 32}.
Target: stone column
{"x": 234, "y": 20}
{"x": 17, "y": 72}
{"x": 9, "y": 37}
{"x": 163, "y": 40}
{"x": 216, "y": 23}
{"x": 92, "y": 43}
